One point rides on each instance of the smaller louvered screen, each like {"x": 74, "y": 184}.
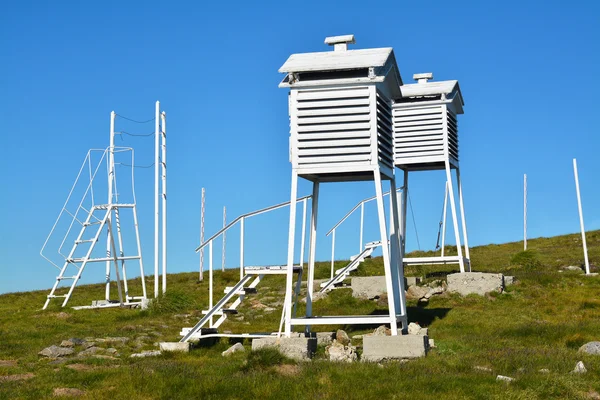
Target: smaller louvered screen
{"x": 419, "y": 134}
{"x": 385, "y": 131}
{"x": 333, "y": 127}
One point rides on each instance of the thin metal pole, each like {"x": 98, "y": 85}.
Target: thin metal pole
{"x": 210, "y": 279}
{"x": 463, "y": 218}
{"x": 224, "y": 239}
{"x": 302, "y": 244}
{"x": 156, "y": 193}
{"x": 164, "y": 201}
{"x": 111, "y": 175}
{"x": 461, "y": 261}
{"x": 404, "y": 205}
{"x": 241, "y": 248}
{"x": 332, "y": 252}
{"x": 201, "y": 278}
{"x": 585, "y": 253}
{"x": 139, "y": 250}
{"x": 525, "y": 212}
{"x": 444, "y": 219}
{"x": 310, "y": 281}
{"x": 362, "y": 221}
{"x": 290, "y": 256}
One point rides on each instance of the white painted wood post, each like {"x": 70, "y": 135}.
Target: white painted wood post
{"x": 310, "y": 281}
{"x": 362, "y": 221}
{"x": 156, "y": 193}
{"x": 290, "y": 256}
{"x": 332, "y": 252}
{"x": 444, "y": 219}
{"x": 224, "y": 239}
{"x": 525, "y": 212}
{"x": 303, "y": 240}
{"x": 111, "y": 177}
{"x": 585, "y": 253}
{"x": 242, "y": 248}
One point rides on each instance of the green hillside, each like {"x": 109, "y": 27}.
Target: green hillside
{"x": 538, "y": 323}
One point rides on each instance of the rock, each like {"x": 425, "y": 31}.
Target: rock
{"x": 87, "y": 345}
{"x": 412, "y": 280}
{"x": 90, "y": 351}
{"x": 579, "y": 368}
{"x": 105, "y": 357}
{"x": 182, "y": 347}
{"x": 573, "y": 268}
{"x": 416, "y": 292}
{"x": 121, "y": 340}
{"x": 368, "y": 287}
{"x": 325, "y": 337}
{"x": 590, "y": 348}
{"x": 342, "y": 337}
{"x": 480, "y": 283}
{"x": 431, "y": 344}
{"x": 148, "y": 353}
{"x": 67, "y": 392}
{"x": 509, "y": 280}
{"x": 111, "y": 350}
{"x": 504, "y": 378}
{"x": 268, "y": 309}
{"x": 16, "y": 377}
{"x": 296, "y": 348}
{"x": 357, "y": 337}
{"x": 544, "y": 371}
{"x": 593, "y": 395}
{"x": 56, "y": 351}
{"x": 415, "y": 329}
{"x": 381, "y": 348}
{"x": 238, "y": 347}
{"x": 482, "y": 369}
{"x": 433, "y": 291}
{"x": 67, "y": 343}
{"x": 339, "y": 353}
{"x": 381, "y": 331}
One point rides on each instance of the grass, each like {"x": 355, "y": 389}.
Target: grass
{"x": 539, "y": 323}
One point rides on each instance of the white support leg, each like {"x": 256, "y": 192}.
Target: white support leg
{"x": 444, "y": 219}
{"x": 585, "y": 253}
{"x": 242, "y": 248}
{"x": 461, "y": 262}
{"x": 156, "y": 193}
{"x": 290, "y": 258}
{"x": 303, "y": 239}
{"x": 115, "y": 261}
{"x": 312, "y": 247}
{"x": 111, "y": 177}
{"x": 210, "y": 280}
{"x": 397, "y": 255}
{"x": 121, "y": 254}
{"x": 403, "y": 215}
{"x": 164, "y": 200}
{"x": 332, "y": 253}
{"x": 386, "y": 252}
{"x": 362, "y": 222}
{"x": 463, "y": 218}
{"x": 139, "y": 251}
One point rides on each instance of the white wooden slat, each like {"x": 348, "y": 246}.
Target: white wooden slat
{"x": 302, "y": 152}
{"x": 401, "y": 149}
{"x": 335, "y": 135}
{"x": 325, "y": 160}
{"x": 332, "y": 94}
{"x": 420, "y": 117}
{"x": 439, "y": 142}
{"x": 333, "y": 127}
{"x": 334, "y": 143}
{"x": 422, "y": 122}
{"x": 400, "y": 112}
{"x": 333, "y": 103}
{"x": 418, "y": 154}
{"x": 407, "y": 132}
{"x": 336, "y": 60}
{"x": 332, "y": 119}
{"x": 333, "y": 111}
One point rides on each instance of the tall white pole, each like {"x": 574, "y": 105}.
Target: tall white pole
{"x": 201, "y": 277}
{"x": 303, "y": 238}
{"x": 444, "y": 219}
{"x": 111, "y": 177}
{"x": 242, "y": 248}
{"x": 224, "y": 239}
{"x": 525, "y": 212}
{"x": 156, "y": 193}
{"x": 585, "y": 254}
{"x": 362, "y": 221}
{"x": 164, "y": 200}
{"x": 332, "y": 252}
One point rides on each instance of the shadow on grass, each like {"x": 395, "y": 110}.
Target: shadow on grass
{"x": 421, "y": 315}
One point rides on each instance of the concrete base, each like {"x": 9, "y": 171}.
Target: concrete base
{"x": 296, "y": 348}
{"x": 475, "y": 283}
{"x": 401, "y": 347}
{"x": 175, "y": 346}
{"x": 412, "y": 280}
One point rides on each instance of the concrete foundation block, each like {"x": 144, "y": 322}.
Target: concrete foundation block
{"x": 296, "y": 348}
{"x": 175, "y": 346}
{"x": 475, "y": 282}
{"x": 368, "y": 287}
{"x": 401, "y": 347}
{"x": 412, "y": 280}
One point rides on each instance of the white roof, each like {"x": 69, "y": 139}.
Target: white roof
{"x": 428, "y": 88}
{"x": 336, "y": 60}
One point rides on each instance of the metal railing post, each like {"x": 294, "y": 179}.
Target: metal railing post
{"x": 332, "y": 252}
{"x": 362, "y": 222}
{"x": 242, "y": 248}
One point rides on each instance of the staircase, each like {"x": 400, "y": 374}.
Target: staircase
{"x": 225, "y": 306}
{"x": 342, "y": 273}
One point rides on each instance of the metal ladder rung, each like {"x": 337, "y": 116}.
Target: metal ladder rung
{"x": 52, "y": 296}
{"x": 60, "y": 278}
{"x": 92, "y": 223}
{"x": 84, "y": 241}
{"x": 120, "y": 258}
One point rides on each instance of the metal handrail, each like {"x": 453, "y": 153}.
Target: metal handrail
{"x": 356, "y": 207}
{"x": 250, "y": 214}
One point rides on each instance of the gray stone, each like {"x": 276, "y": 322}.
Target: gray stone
{"x": 112, "y": 350}
{"x": 579, "y": 368}
{"x": 90, "y": 351}
{"x": 296, "y": 348}
{"x": 504, "y": 378}
{"x": 381, "y": 331}
{"x": 412, "y": 280}
{"x": 121, "y": 340}
{"x": 416, "y": 329}
{"x": 573, "y": 268}
{"x": 67, "y": 392}
{"x": 482, "y": 369}
{"x": 56, "y": 351}
{"x": 509, "y": 280}
{"x": 149, "y": 353}
{"x": 315, "y": 297}
{"x": 339, "y": 353}
{"x": 238, "y": 347}
{"x": 67, "y": 343}
{"x": 475, "y": 283}
{"x": 590, "y": 348}
{"x": 145, "y": 303}
{"x": 368, "y": 287}
{"x": 381, "y": 348}
{"x": 416, "y": 292}
{"x": 325, "y": 337}
{"x": 433, "y": 291}
{"x": 544, "y": 371}
{"x": 431, "y": 344}
{"x": 182, "y": 347}
{"x": 342, "y": 337}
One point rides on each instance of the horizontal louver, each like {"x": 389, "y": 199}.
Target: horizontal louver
{"x": 332, "y": 127}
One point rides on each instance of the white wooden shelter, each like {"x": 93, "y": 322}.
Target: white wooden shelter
{"x": 341, "y": 129}
{"x": 425, "y": 139}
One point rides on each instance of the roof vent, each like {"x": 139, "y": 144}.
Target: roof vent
{"x": 423, "y": 78}
{"x": 340, "y": 43}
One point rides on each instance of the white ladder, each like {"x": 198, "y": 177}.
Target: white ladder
{"x": 80, "y": 262}
{"x": 342, "y": 273}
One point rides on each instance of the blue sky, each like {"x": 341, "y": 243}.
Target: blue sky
{"x": 528, "y": 71}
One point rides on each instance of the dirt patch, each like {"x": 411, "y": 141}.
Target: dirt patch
{"x": 67, "y": 392}
{"x": 80, "y": 367}
{"x": 287, "y": 370}
{"x": 19, "y": 377}
{"x": 8, "y": 363}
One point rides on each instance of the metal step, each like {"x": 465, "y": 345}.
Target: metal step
{"x": 270, "y": 270}
{"x": 84, "y": 241}
{"x": 230, "y": 311}
{"x": 241, "y": 292}
{"x": 60, "y": 278}
{"x": 53, "y": 296}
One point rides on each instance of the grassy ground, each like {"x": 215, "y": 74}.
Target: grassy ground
{"x": 536, "y": 324}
